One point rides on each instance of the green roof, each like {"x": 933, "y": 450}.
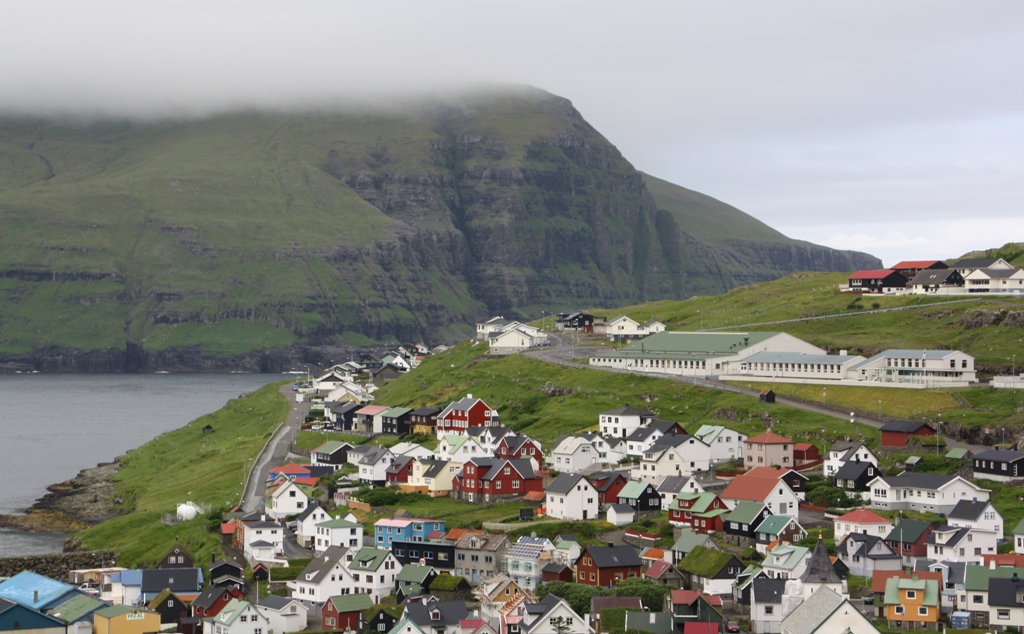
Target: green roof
{"x": 330, "y": 446}
{"x": 455, "y": 441}
{"x": 352, "y": 602}
{"x": 704, "y": 562}
{"x": 446, "y": 582}
{"x": 773, "y": 524}
{"x": 395, "y": 412}
{"x": 690, "y": 345}
{"x": 751, "y": 572}
{"x": 689, "y": 540}
{"x": 789, "y": 557}
{"x": 908, "y": 531}
{"x": 633, "y": 489}
{"x": 930, "y": 587}
{"x": 957, "y": 454}
{"x": 414, "y": 573}
{"x": 76, "y": 607}
{"x": 1019, "y": 528}
{"x": 231, "y": 611}
{"x": 745, "y": 512}
{"x": 713, "y": 513}
{"x": 976, "y": 577}
{"x": 708, "y": 433}
{"x": 338, "y": 523}
{"x": 704, "y": 500}
{"x": 118, "y": 610}
{"x": 369, "y": 559}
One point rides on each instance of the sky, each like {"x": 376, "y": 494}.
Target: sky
{"x": 895, "y": 128}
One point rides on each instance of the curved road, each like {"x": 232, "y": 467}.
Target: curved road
{"x": 275, "y": 451}
{"x": 562, "y": 352}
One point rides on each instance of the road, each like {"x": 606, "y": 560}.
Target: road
{"x": 562, "y": 351}
{"x": 275, "y": 452}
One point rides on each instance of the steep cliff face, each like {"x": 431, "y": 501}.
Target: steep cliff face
{"x": 259, "y": 240}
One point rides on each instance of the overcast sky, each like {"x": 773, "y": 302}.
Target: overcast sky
{"x": 895, "y": 128}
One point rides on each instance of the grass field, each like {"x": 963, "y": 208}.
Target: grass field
{"x": 455, "y": 513}
{"x": 187, "y": 465}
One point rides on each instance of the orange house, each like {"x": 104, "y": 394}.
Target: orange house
{"x": 912, "y": 604}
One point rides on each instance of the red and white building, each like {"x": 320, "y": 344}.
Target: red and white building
{"x": 519, "y": 447}
{"x": 487, "y": 479}
{"x": 462, "y": 415}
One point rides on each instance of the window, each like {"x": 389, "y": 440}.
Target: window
{"x": 1003, "y": 615}
{"x": 769, "y": 609}
{"x": 899, "y": 609}
{"x": 976, "y": 598}
{"x": 922, "y": 611}
{"x": 911, "y": 594}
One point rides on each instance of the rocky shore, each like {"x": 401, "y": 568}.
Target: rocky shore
{"x": 73, "y": 505}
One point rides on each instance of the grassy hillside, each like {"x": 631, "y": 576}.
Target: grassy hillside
{"x": 856, "y": 327}
{"x": 545, "y": 400}
{"x": 167, "y": 244}
{"x": 186, "y": 465}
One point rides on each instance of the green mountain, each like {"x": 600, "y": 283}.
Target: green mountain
{"x": 255, "y": 240}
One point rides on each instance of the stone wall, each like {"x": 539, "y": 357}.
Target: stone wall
{"x": 57, "y": 566}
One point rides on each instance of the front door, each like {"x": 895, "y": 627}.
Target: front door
{"x": 584, "y": 515}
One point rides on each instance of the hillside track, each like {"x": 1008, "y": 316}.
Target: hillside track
{"x": 274, "y": 452}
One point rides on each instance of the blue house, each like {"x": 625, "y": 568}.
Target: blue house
{"x": 406, "y": 530}
{"x": 14, "y": 616}
{"x": 36, "y": 591}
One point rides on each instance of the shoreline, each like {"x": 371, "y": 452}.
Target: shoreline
{"x": 72, "y": 505}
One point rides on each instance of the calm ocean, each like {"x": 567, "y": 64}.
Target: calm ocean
{"x": 54, "y": 425}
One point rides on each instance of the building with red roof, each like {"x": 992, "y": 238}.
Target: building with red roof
{"x": 767, "y": 450}
{"x": 664, "y": 573}
{"x": 861, "y": 521}
{"x": 876, "y": 281}
{"x": 910, "y": 268}
{"x": 773, "y": 493}
{"x": 806, "y": 455}
{"x": 460, "y": 416}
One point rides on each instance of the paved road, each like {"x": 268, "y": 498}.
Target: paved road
{"x": 274, "y": 453}
{"x": 562, "y": 352}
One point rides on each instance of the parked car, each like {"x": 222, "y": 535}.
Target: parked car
{"x": 869, "y": 599}
{"x": 732, "y": 626}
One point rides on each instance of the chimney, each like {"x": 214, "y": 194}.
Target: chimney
{"x": 1015, "y": 578}
{"x": 35, "y": 596}
{"x": 609, "y": 544}
{"x": 992, "y": 564}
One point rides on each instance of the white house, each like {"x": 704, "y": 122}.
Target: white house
{"x": 786, "y": 561}
{"x": 324, "y": 577}
{"x": 525, "y": 560}
{"x": 553, "y": 615}
{"x": 263, "y": 541}
{"x": 411, "y": 449}
{"x": 343, "y": 531}
{"x": 726, "y": 444}
{"x": 993, "y": 280}
{"x": 607, "y": 452}
{"x": 673, "y": 456}
{"x": 570, "y": 496}
{"x": 924, "y": 368}
{"x": 237, "y": 617}
{"x": 287, "y": 498}
{"x": 669, "y": 487}
{"x": 283, "y": 614}
{"x": 775, "y": 494}
{"x": 861, "y": 521}
{"x": 460, "y": 448}
{"x": 961, "y": 544}
{"x": 766, "y": 596}
{"x": 371, "y": 571}
{"x": 622, "y": 421}
{"x": 640, "y": 440}
{"x": 977, "y": 515}
{"x": 826, "y": 612}
{"x": 305, "y": 528}
{"x": 573, "y": 453}
{"x": 864, "y": 554}
{"x": 923, "y": 492}
{"x": 373, "y": 466}
{"x": 515, "y": 340}
{"x": 842, "y": 452}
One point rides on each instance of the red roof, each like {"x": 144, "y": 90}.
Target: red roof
{"x": 803, "y": 446}
{"x": 292, "y": 468}
{"x": 879, "y": 578}
{"x": 769, "y": 438}
{"x": 872, "y": 275}
{"x": 228, "y": 528}
{"x": 312, "y": 482}
{"x": 653, "y": 553}
{"x": 694, "y": 627}
{"x": 773, "y": 473}
{"x": 657, "y": 569}
{"x": 535, "y": 496}
{"x": 914, "y": 264}
{"x": 687, "y": 597}
{"x": 1004, "y": 561}
{"x": 749, "y": 488}
{"x": 862, "y": 516}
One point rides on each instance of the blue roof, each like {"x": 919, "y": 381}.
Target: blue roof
{"x": 32, "y": 590}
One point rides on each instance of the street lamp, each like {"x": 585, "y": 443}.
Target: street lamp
{"x": 879, "y": 410}
{"x": 939, "y": 434}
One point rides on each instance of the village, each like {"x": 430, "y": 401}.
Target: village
{"x": 660, "y": 529}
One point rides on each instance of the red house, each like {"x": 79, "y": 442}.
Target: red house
{"x": 605, "y": 566}
{"x": 487, "y": 479}
{"x": 345, "y": 612}
{"x": 398, "y": 472}
{"x": 898, "y": 432}
{"x": 608, "y": 485}
{"x": 910, "y": 268}
{"x": 462, "y": 415}
{"x": 516, "y": 446}
{"x": 212, "y": 600}
{"x": 909, "y": 538}
{"x": 701, "y": 511}
{"x": 805, "y": 454}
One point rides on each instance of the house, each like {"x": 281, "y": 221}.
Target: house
{"x": 669, "y": 487}
{"x": 796, "y": 481}
{"x": 977, "y": 515}
{"x": 846, "y": 451}
{"x": 710, "y": 571}
{"x": 373, "y": 466}
{"x": 610, "y": 450}
{"x": 492, "y": 325}
{"x": 325, "y": 576}
{"x": 170, "y": 607}
{"x": 573, "y": 453}
{"x": 176, "y": 558}
{"x": 877, "y": 281}
{"x": 213, "y": 599}
{"x": 438, "y": 553}
{"x": 805, "y": 455}
{"x": 345, "y": 612}
{"x": 768, "y": 395}
{"x": 766, "y": 605}
{"x": 897, "y": 433}
{"x": 498, "y": 595}
{"x": 641, "y": 440}
{"x": 995, "y": 281}
{"x": 515, "y": 339}
{"x": 379, "y": 619}
{"x": 553, "y": 615}
{"x": 926, "y": 368}
{"x": 931, "y": 492}
{"x": 781, "y": 528}
{"x": 960, "y": 544}
{"x": 283, "y": 614}
{"x": 520, "y": 447}
{"x": 332, "y": 454}
{"x": 937, "y": 282}
{"x": 570, "y": 496}
{"x": 16, "y": 616}
{"x": 768, "y": 449}
{"x": 687, "y": 541}
{"x": 974, "y": 597}
{"x": 622, "y": 421}
{"x": 396, "y": 421}
{"x": 605, "y": 566}
{"x": 386, "y": 531}
{"x": 642, "y": 497}
{"x": 861, "y": 521}
{"x": 575, "y": 320}
{"x": 126, "y": 619}
{"x": 368, "y": 419}
{"x": 825, "y": 612}
{"x": 785, "y": 561}
{"x": 821, "y": 572}
{"x": 460, "y": 416}
{"x": 598, "y": 604}
{"x": 620, "y": 514}
{"x": 775, "y": 494}
{"x": 662, "y": 623}
{"x": 664, "y": 573}
{"x": 230, "y": 620}
{"x": 999, "y": 464}
{"x": 524, "y": 561}
{"x": 726, "y": 444}
{"x": 910, "y": 268}
{"x": 865, "y": 553}
{"x": 371, "y": 571}
{"x": 703, "y": 512}
{"x": 433, "y": 617}
{"x": 693, "y": 606}
{"x": 186, "y": 583}
{"x": 478, "y": 556}
{"x": 673, "y": 456}
{"x": 460, "y": 448}
{"x": 1018, "y": 538}
{"x": 433, "y": 477}
{"x": 491, "y": 479}
{"x": 423, "y": 421}
{"x": 287, "y": 497}
{"x": 912, "y": 603}
{"x": 397, "y": 472}
{"x": 342, "y": 531}
{"x": 225, "y": 572}
{"x": 966, "y": 266}
{"x": 740, "y": 524}
{"x": 1004, "y": 605}
{"x": 909, "y": 539}
{"x": 855, "y": 477}
{"x": 608, "y": 484}
{"x": 414, "y": 580}
{"x": 76, "y": 613}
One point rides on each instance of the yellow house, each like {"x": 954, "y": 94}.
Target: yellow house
{"x": 125, "y": 619}
{"x": 911, "y": 604}
{"x": 433, "y": 477}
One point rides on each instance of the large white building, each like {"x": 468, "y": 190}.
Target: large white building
{"x": 930, "y": 492}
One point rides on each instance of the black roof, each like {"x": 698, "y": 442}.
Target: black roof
{"x": 768, "y": 590}
{"x": 209, "y": 596}
{"x": 628, "y": 411}
{"x": 960, "y": 533}
{"x": 1003, "y": 592}
{"x": 999, "y": 455}
{"x": 967, "y": 510}
{"x": 565, "y": 482}
{"x": 868, "y": 542}
{"x": 426, "y": 411}
{"x": 228, "y": 562}
{"x": 919, "y": 480}
{"x": 975, "y": 263}
{"x": 819, "y": 568}
{"x": 904, "y": 426}
{"x": 523, "y": 466}
{"x": 346, "y": 407}
{"x": 399, "y": 463}
{"x": 173, "y": 579}
{"x": 852, "y": 470}
{"x": 933, "y": 276}
{"x": 662, "y": 425}
{"x": 451, "y": 612}
{"x": 554, "y": 568}
{"x": 614, "y": 556}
